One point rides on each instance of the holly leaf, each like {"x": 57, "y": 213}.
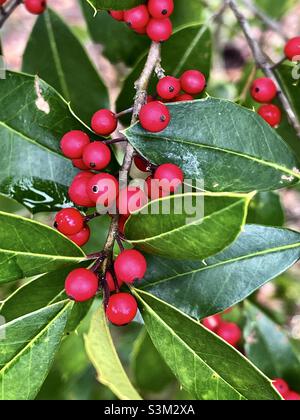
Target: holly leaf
{"x": 227, "y": 146}
{"x": 114, "y": 4}
{"x": 204, "y": 288}
{"x": 206, "y": 366}
{"x": 266, "y": 209}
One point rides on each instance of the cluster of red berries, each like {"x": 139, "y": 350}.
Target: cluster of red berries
{"x": 228, "y": 331}
{"x": 152, "y": 19}
{"x": 284, "y": 390}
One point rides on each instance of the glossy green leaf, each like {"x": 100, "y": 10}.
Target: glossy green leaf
{"x": 102, "y": 353}
{"x": 266, "y": 209}
{"x": 193, "y": 232}
{"x": 230, "y": 147}
{"x": 192, "y": 44}
{"x": 208, "y": 287}
{"x": 72, "y": 74}
{"x": 205, "y": 365}
{"x": 27, "y": 350}
{"x": 268, "y": 346}
{"x": 29, "y": 248}
{"x": 114, "y": 4}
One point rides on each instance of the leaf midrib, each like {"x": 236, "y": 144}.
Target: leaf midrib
{"x": 31, "y": 254}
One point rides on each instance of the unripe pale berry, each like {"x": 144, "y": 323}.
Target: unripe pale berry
{"x": 130, "y": 266}
{"x": 73, "y": 143}
{"x": 121, "y": 309}
{"x": 263, "y": 90}
{"x": 69, "y": 221}
{"x": 154, "y": 117}
{"x": 281, "y": 386}
{"x": 104, "y": 122}
{"x": 79, "y": 164}
{"x": 110, "y": 282}
{"x": 159, "y": 30}
{"x": 170, "y": 177}
{"x": 117, "y": 14}
{"x": 168, "y": 87}
{"x": 185, "y": 97}
{"x": 193, "y": 82}
{"x": 270, "y": 113}
{"x": 292, "y": 49}
{"x": 230, "y": 333}
{"x": 97, "y": 156}
{"x": 130, "y": 200}
{"x": 160, "y": 9}
{"x": 82, "y": 237}
{"x": 103, "y": 189}
{"x": 78, "y": 190}
{"x": 212, "y": 323}
{"x": 81, "y": 285}
{"x": 36, "y": 7}
{"x": 137, "y": 18}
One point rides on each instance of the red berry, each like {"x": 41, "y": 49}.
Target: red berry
{"x": 212, "y": 323}
{"x": 160, "y": 9}
{"x": 130, "y": 265}
{"x": 270, "y": 113}
{"x": 159, "y": 30}
{"x": 154, "y": 117}
{"x": 281, "y": 386}
{"x": 104, "y": 122}
{"x": 150, "y": 98}
{"x": 117, "y": 14}
{"x": 230, "y": 332}
{"x": 121, "y": 309}
{"x": 73, "y": 143}
{"x": 137, "y": 18}
{"x": 168, "y": 87}
{"x": 170, "y": 177}
{"x": 78, "y": 190}
{"x": 154, "y": 189}
{"x": 2, "y": 2}
{"x": 292, "y": 49}
{"x": 141, "y": 164}
{"x": 185, "y": 97}
{"x": 141, "y": 31}
{"x": 110, "y": 282}
{"x": 82, "y": 237}
{"x": 130, "y": 200}
{"x": 122, "y": 221}
{"x": 263, "y": 90}
{"x": 81, "y": 285}
{"x": 103, "y": 189}
{"x": 292, "y": 396}
{"x": 193, "y": 82}
{"x": 79, "y": 164}
{"x": 97, "y": 155}
{"x": 36, "y": 7}
{"x": 69, "y": 221}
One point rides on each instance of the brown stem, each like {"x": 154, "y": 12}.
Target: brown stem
{"x": 125, "y": 112}
{"x": 7, "y": 10}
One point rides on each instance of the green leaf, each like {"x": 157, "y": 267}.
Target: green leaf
{"x": 27, "y": 350}
{"x": 276, "y": 8}
{"x": 114, "y": 4}
{"x": 193, "y": 232}
{"x": 266, "y": 209}
{"x": 29, "y": 248}
{"x": 205, "y": 365}
{"x": 205, "y": 288}
{"x": 33, "y": 118}
{"x": 268, "y": 346}
{"x": 192, "y": 44}
{"x": 72, "y": 74}
{"x": 228, "y": 146}
{"x": 102, "y": 353}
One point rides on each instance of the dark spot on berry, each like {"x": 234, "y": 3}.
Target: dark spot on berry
{"x": 163, "y": 118}
{"x": 95, "y": 189}
{"x": 55, "y": 225}
{"x": 171, "y": 89}
{"x": 257, "y": 90}
{"x": 93, "y": 165}
{"x": 164, "y": 12}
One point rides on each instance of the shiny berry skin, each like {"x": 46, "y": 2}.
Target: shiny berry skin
{"x": 36, "y": 7}
{"x": 193, "y": 82}
{"x": 97, "y": 156}
{"x": 79, "y": 164}
{"x": 103, "y": 189}
{"x": 281, "y": 386}
{"x": 230, "y": 333}
{"x": 170, "y": 177}
{"x": 73, "y": 143}
{"x": 263, "y": 90}
{"x": 154, "y": 117}
{"x": 117, "y": 15}
{"x": 130, "y": 200}
{"x": 160, "y": 9}
{"x": 130, "y": 266}
{"x": 110, "y": 282}
{"x": 141, "y": 31}
{"x": 185, "y": 97}
{"x": 69, "y": 221}
{"x": 78, "y": 190}
{"x": 168, "y": 87}
{"x": 212, "y": 323}
{"x": 141, "y": 164}
{"x": 292, "y": 49}
{"x": 292, "y": 396}
{"x": 159, "y": 30}
{"x": 137, "y": 18}
{"x": 270, "y": 113}
{"x": 81, "y": 285}
{"x": 121, "y": 309}
{"x": 104, "y": 122}
{"x": 82, "y": 237}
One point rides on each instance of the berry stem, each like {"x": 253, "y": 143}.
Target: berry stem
{"x": 125, "y": 112}
{"x": 114, "y": 141}
{"x": 7, "y": 10}
{"x": 120, "y": 243}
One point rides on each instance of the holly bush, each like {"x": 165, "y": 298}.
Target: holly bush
{"x": 155, "y": 206}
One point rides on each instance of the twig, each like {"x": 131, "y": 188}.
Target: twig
{"x": 7, "y": 10}
{"x": 262, "y": 61}
{"x": 125, "y": 112}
